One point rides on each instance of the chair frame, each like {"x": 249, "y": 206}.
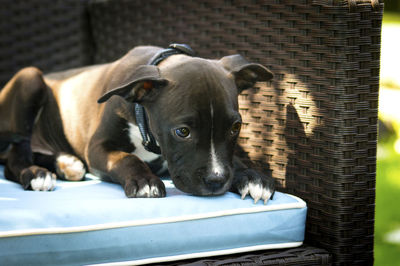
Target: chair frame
{"x": 314, "y": 127}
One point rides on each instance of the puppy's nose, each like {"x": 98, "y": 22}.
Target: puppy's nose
{"x": 214, "y": 182}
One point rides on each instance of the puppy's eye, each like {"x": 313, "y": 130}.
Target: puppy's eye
{"x": 236, "y": 128}
{"x": 182, "y": 132}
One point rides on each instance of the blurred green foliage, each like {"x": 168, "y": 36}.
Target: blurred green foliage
{"x": 387, "y": 214}
{"x": 391, "y": 17}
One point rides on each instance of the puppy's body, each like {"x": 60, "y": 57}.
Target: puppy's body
{"x": 192, "y": 108}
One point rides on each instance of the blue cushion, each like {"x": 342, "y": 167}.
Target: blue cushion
{"x": 92, "y": 222}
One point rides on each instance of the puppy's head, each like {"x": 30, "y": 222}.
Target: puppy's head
{"x": 192, "y": 105}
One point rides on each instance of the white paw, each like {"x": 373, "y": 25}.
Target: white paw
{"x": 143, "y": 192}
{"x": 45, "y": 182}
{"x": 256, "y": 191}
{"x": 148, "y": 192}
{"x": 70, "y": 167}
{"x": 154, "y": 192}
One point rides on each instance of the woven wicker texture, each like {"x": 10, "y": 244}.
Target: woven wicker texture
{"x": 304, "y": 255}
{"x": 315, "y": 125}
{"x": 51, "y": 35}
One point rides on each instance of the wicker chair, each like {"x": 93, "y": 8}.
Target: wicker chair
{"x": 314, "y": 126}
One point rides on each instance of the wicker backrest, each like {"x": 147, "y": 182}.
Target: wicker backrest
{"x": 51, "y": 35}
{"x": 315, "y": 125}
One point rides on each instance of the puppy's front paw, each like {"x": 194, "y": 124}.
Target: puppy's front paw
{"x": 151, "y": 187}
{"x": 38, "y": 179}
{"x": 255, "y": 184}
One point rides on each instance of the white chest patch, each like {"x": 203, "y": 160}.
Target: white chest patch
{"x": 136, "y": 139}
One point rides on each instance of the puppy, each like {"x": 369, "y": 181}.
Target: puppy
{"x": 152, "y": 110}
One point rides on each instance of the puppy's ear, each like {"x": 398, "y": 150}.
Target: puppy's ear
{"x": 134, "y": 85}
{"x": 246, "y": 74}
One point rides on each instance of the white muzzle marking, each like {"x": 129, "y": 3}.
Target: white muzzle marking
{"x": 216, "y": 167}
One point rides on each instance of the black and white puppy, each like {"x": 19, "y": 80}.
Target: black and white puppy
{"x": 55, "y": 125}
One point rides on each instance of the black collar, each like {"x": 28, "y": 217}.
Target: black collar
{"x": 149, "y": 142}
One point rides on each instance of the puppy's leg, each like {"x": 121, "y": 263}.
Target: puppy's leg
{"x": 109, "y": 155}
{"x": 132, "y": 173}
{"x": 66, "y": 166}
{"x": 20, "y": 168}
{"x": 20, "y": 103}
